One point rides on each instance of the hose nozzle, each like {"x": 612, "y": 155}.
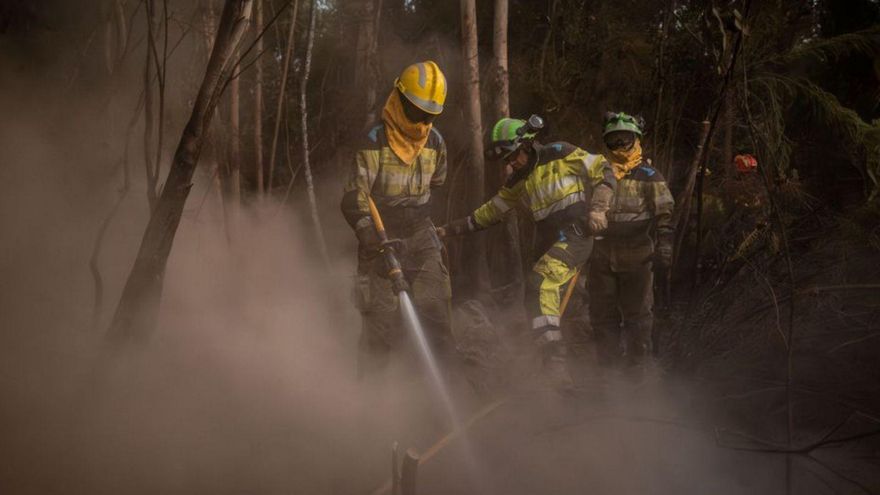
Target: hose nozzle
{"x": 392, "y": 264}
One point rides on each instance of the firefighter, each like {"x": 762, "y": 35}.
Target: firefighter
{"x": 558, "y": 182}
{"x": 638, "y": 239}
{"x": 398, "y": 163}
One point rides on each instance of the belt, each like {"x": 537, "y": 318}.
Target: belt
{"x": 403, "y": 221}
{"x": 574, "y": 229}
{"x": 402, "y": 230}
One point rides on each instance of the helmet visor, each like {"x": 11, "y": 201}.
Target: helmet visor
{"x": 620, "y": 140}
{"x": 502, "y": 150}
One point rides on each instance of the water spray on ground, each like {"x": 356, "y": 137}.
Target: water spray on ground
{"x": 428, "y": 357}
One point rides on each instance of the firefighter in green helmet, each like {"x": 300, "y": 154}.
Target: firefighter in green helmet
{"x": 637, "y": 240}
{"x": 567, "y": 191}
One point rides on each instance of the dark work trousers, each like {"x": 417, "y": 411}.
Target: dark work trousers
{"x": 621, "y": 300}
{"x": 383, "y": 326}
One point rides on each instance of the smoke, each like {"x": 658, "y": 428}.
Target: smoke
{"x": 249, "y": 383}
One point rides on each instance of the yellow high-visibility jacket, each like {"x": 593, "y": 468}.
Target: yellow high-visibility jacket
{"x": 556, "y": 188}
{"x": 402, "y": 192}
{"x": 642, "y": 204}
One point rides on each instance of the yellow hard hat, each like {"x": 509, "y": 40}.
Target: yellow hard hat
{"x": 424, "y": 85}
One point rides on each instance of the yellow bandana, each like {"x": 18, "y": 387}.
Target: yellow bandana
{"x": 405, "y": 138}
{"x": 624, "y": 161}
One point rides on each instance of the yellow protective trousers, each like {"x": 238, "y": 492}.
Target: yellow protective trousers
{"x": 549, "y": 280}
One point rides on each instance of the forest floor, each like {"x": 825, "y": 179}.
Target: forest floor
{"x": 617, "y": 434}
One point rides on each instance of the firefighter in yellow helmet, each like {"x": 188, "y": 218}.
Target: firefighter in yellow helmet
{"x": 397, "y": 164}
{"x": 567, "y": 191}
{"x": 639, "y": 235}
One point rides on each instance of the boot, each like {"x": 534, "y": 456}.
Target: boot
{"x": 554, "y": 370}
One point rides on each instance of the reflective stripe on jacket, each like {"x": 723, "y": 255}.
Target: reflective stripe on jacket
{"x": 562, "y": 176}
{"x": 642, "y": 201}
{"x": 395, "y": 186}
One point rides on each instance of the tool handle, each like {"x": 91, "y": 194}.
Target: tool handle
{"x": 395, "y": 272}
{"x": 569, "y": 291}
{"x": 377, "y": 220}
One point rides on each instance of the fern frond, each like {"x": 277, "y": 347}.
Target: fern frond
{"x": 860, "y": 137}
{"x": 745, "y": 246}
{"x": 866, "y": 41}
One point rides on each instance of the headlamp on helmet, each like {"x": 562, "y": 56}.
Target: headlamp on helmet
{"x": 509, "y": 134}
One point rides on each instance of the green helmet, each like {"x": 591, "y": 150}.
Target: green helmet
{"x": 619, "y": 121}
{"x": 508, "y": 134}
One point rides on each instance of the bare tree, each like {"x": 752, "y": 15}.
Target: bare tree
{"x": 729, "y": 122}
{"x": 208, "y": 18}
{"x": 115, "y": 35}
{"x": 230, "y": 177}
{"x": 310, "y": 186}
{"x": 476, "y": 181}
{"x": 499, "y": 50}
{"x": 150, "y": 169}
{"x": 280, "y": 108}
{"x": 505, "y": 240}
{"x": 697, "y": 173}
{"x": 94, "y": 267}
{"x": 234, "y": 141}
{"x": 660, "y": 75}
{"x": 258, "y": 98}
{"x": 367, "y": 14}
{"x": 682, "y": 212}
{"x": 135, "y": 316}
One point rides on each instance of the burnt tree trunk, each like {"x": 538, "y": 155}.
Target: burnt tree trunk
{"x": 279, "y": 110}
{"x": 366, "y": 74}
{"x": 149, "y": 123}
{"x": 138, "y": 308}
{"x": 698, "y": 168}
{"x": 230, "y": 177}
{"x": 660, "y": 72}
{"x": 475, "y": 245}
{"x": 682, "y": 212}
{"x": 310, "y": 185}
{"x": 507, "y": 266}
{"x": 115, "y": 34}
{"x": 499, "y": 50}
{"x": 729, "y": 121}
{"x": 258, "y": 99}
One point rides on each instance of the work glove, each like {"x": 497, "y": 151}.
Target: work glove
{"x": 663, "y": 254}
{"x": 599, "y": 206}
{"x": 368, "y": 238}
{"x": 662, "y": 267}
{"x": 456, "y": 227}
{"x": 598, "y": 221}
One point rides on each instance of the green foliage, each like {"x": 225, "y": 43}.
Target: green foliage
{"x": 776, "y": 89}
{"x": 776, "y": 93}
{"x": 830, "y": 49}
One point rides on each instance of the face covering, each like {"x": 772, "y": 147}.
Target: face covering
{"x": 625, "y": 160}
{"x": 405, "y": 138}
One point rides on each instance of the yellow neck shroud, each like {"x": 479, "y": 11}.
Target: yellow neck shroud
{"x": 405, "y": 138}
{"x": 624, "y": 161}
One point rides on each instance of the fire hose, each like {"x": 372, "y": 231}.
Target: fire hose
{"x": 389, "y": 252}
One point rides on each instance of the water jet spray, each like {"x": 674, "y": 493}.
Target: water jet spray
{"x": 401, "y": 287}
